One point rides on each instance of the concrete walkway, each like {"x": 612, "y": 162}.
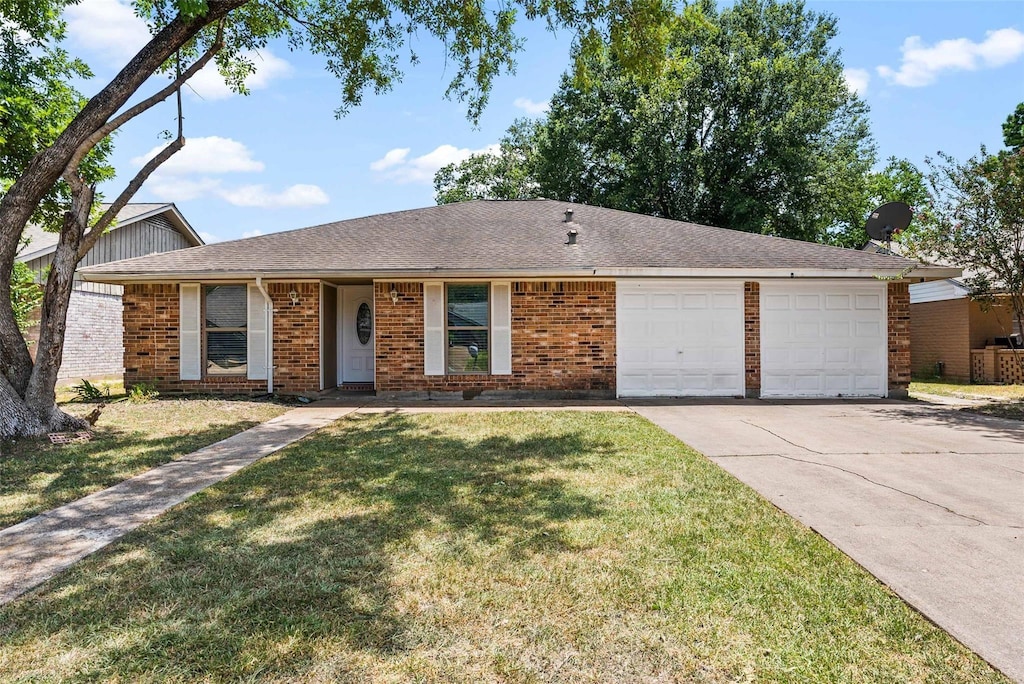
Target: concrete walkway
{"x": 928, "y": 499}
{"x": 37, "y": 549}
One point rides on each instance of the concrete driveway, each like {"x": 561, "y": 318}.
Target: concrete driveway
{"x": 928, "y": 499}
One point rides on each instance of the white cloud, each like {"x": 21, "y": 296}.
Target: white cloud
{"x": 530, "y": 107}
{"x": 300, "y": 195}
{"x": 108, "y": 28}
{"x": 191, "y": 174}
{"x": 252, "y": 233}
{"x": 922, "y": 64}
{"x": 209, "y": 238}
{"x": 392, "y": 158}
{"x": 857, "y": 80}
{"x": 179, "y": 189}
{"x": 208, "y": 155}
{"x": 208, "y": 84}
{"x": 396, "y": 166}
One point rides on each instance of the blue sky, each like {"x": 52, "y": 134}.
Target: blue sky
{"x": 937, "y": 76}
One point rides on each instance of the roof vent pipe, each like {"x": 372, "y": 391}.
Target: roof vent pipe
{"x": 568, "y": 215}
{"x": 572, "y": 236}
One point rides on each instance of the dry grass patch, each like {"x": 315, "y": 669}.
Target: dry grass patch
{"x": 969, "y": 391}
{"x": 486, "y": 547}
{"x": 129, "y": 438}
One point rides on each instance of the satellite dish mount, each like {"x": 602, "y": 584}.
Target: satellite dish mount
{"x": 888, "y": 220}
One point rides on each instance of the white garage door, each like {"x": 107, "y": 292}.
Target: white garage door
{"x": 823, "y": 339}
{"x": 679, "y": 339}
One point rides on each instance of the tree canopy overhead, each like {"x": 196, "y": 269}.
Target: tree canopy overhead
{"x": 364, "y": 44}
{"x": 749, "y": 125}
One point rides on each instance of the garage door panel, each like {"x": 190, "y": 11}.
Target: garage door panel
{"x": 725, "y": 300}
{"x": 870, "y": 329}
{"x": 869, "y": 301}
{"x": 692, "y": 337}
{"x": 837, "y": 302}
{"x": 836, "y": 347}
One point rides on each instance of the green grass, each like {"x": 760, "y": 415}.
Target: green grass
{"x": 129, "y": 438}
{"x": 965, "y": 390}
{"x": 486, "y": 547}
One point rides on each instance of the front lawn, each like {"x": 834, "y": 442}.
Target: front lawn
{"x": 129, "y": 438}
{"x": 1004, "y": 401}
{"x": 519, "y": 546}
{"x": 965, "y": 390}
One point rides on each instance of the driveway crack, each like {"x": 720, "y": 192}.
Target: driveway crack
{"x": 778, "y": 436}
{"x": 889, "y": 487}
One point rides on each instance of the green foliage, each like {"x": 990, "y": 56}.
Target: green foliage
{"x": 87, "y": 391}
{"x": 503, "y": 175}
{"x": 1013, "y": 129}
{"x": 26, "y": 295}
{"x": 142, "y": 392}
{"x": 365, "y": 45}
{"x": 899, "y": 181}
{"x": 975, "y": 220}
{"x": 749, "y": 125}
{"x": 37, "y": 101}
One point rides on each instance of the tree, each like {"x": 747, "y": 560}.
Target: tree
{"x": 362, "y": 45}
{"x": 899, "y": 181}
{"x": 749, "y": 125}
{"x": 1013, "y": 129}
{"x": 25, "y": 295}
{"x": 506, "y": 174}
{"x": 975, "y": 220}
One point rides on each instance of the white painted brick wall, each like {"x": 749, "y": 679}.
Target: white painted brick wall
{"x": 94, "y": 342}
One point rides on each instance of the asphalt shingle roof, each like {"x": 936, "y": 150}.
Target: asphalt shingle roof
{"x": 526, "y": 235}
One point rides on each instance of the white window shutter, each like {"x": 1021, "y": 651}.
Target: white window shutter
{"x": 190, "y": 346}
{"x": 501, "y": 328}
{"x": 256, "y": 334}
{"x": 433, "y": 329}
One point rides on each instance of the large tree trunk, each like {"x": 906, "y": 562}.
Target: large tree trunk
{"x": 27, "y": 404}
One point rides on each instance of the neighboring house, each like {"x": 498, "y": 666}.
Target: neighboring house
{"x": 949, "y": 332}
{"x": 499, "y": 297}
{"x": 93, "y": 342}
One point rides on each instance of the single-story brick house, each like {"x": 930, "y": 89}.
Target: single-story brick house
{"x": 949, "y": 331}
{"x": 534, "y": 296}
{"x": 92, "y": 341}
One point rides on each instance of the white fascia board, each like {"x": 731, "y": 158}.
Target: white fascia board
{"x": 930, "y": 273}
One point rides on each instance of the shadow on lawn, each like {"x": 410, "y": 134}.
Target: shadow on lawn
{"x": 112, "y": 455}
{"x": 246, "y": 579}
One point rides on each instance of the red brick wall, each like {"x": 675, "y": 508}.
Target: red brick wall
{"x": 899, "y": 338}
{"x": 563, "y": 339}
{"x": 752, "y": 337}
{"x": 940, "y": 331}
{"x": 151, "y": 341}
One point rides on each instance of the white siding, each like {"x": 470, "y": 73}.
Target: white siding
{"x": 936, "y": 291}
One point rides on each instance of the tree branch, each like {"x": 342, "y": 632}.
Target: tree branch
{"x": 151, "y": 101}
{"x": 101, "y": 225}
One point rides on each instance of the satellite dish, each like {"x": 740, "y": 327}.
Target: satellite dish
{"x": 888, "y": 220}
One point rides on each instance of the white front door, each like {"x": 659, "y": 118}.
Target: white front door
{"x": 823, "y": 339}
{"x": 355, "y": 334}
{"x": 681, "y": 338}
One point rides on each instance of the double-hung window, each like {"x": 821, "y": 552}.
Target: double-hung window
{"x": 467, "y": 329}
{"x": 225, "y": 342}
